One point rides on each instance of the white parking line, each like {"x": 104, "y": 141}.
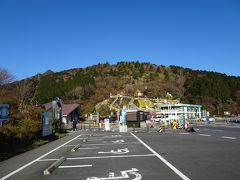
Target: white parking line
{"x": 184, "y": 133}
{"x": 228, "y": 137}
{"x": 76, "y": 166}
{"x": 90, "y": 148}
{"x": 106, "y": 137}
{"x": 103, "y": 135}
{"x": 204, "y": 135}
{"x": 43, "y": 160}
{"x": 106, "y": 157}
{"x": 35, "y": 160}
{"x": 70, "y": 145}
{"x": 106, "y": 144}
{"x": 179, "y": 173}
{"x": 95, "y": 140}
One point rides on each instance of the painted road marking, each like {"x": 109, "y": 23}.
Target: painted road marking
{"x": 204, "y": 135}
{"x": 124, "y": 175}
{"x": 95, "y": 140}
{"x": 69, "y": 145}
{"x": 90, "y": 148}
{"x": 75, "y": 166}
{"x": 179, "y": 173}
{"x": 106, "y": 137}
{"x": 119, "y": 141}
{"x": 30, "y": 163}
{"x": 82, "y": 138}
{"x": 116, "y": 135}
{"x": 119, "y": 151}
{"x": 184, "y": 133}
{"x": 43, "y": 160}
{"x": 106, "y": 144}
{"x": 106, "y": 157}
{"x": 228, "y": 137}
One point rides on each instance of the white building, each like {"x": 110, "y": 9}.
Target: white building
{"x": 174, "y": 111}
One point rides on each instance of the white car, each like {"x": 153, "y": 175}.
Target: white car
{"x": 210, "y": 119}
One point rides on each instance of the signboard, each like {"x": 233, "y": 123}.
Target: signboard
{"x": 204, "y": 113}
{"x": 106, "y": 124}
{"x": 56, "y": 110}
{"x": 123, "y": 117}
{"x": 182, "y": 120}
{"x": 46, "y": 123}
{"x": 4, "y": 112}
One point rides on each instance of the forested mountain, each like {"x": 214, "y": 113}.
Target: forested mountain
{"x": 88, "y": 86}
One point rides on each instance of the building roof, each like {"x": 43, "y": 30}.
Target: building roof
{"x": 47, "y": 106}
{"x": 66, "y": 108}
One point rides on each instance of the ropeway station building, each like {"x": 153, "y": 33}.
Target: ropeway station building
{"x": 164, "y": 108}
{"x": 174, "y": 111}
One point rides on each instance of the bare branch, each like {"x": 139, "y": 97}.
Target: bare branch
{"x": 5, "y": 76}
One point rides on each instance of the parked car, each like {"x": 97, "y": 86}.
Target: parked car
{"x": 210, "y": 119}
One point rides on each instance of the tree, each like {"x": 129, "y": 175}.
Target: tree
{"x": 5, "y": 76}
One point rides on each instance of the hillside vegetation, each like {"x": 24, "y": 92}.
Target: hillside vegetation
{"x": 88, "y": 86}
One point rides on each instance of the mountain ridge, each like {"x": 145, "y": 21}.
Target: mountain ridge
{"x": 217, "y": 92}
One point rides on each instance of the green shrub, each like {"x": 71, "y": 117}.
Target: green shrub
{"x": 8, "y": 137}
{"x": 28, "y": 130}
{"x": 16, "y": 136}
{"x": 56, "y": 126}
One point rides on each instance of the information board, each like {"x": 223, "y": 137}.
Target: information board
{"x": 4, "y": 112}
{"x": 46, "y": 123}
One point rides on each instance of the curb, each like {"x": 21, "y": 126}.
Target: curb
{"x": 53, "y": 166}
{"x": 75, "y": 148}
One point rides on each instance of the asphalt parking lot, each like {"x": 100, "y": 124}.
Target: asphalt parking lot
{"x": 208, "y": 153}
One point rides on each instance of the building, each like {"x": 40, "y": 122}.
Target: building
{"x": 132, "y": 117}
{"x": 174, "y": 111}
{"x": 70, "y": 112}
{"x": 168, "y": 108}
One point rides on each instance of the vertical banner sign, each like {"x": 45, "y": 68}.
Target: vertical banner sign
{"x": 56, "y": 110}
{"x": 106, "y": 124}
{"x": 204, "y": 113}
{"x": 4, "y": 112}
{"x": 46, "y": 123}
{"x": 182, "y": 120}
{"x": 123, "y": 117}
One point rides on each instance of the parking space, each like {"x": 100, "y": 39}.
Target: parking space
{"x": 147, "y": 167}
{"x": 109, "y": 156}
{"x": 98, "y": 155}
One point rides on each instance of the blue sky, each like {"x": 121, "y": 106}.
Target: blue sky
{"x": 37, "y": 35}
